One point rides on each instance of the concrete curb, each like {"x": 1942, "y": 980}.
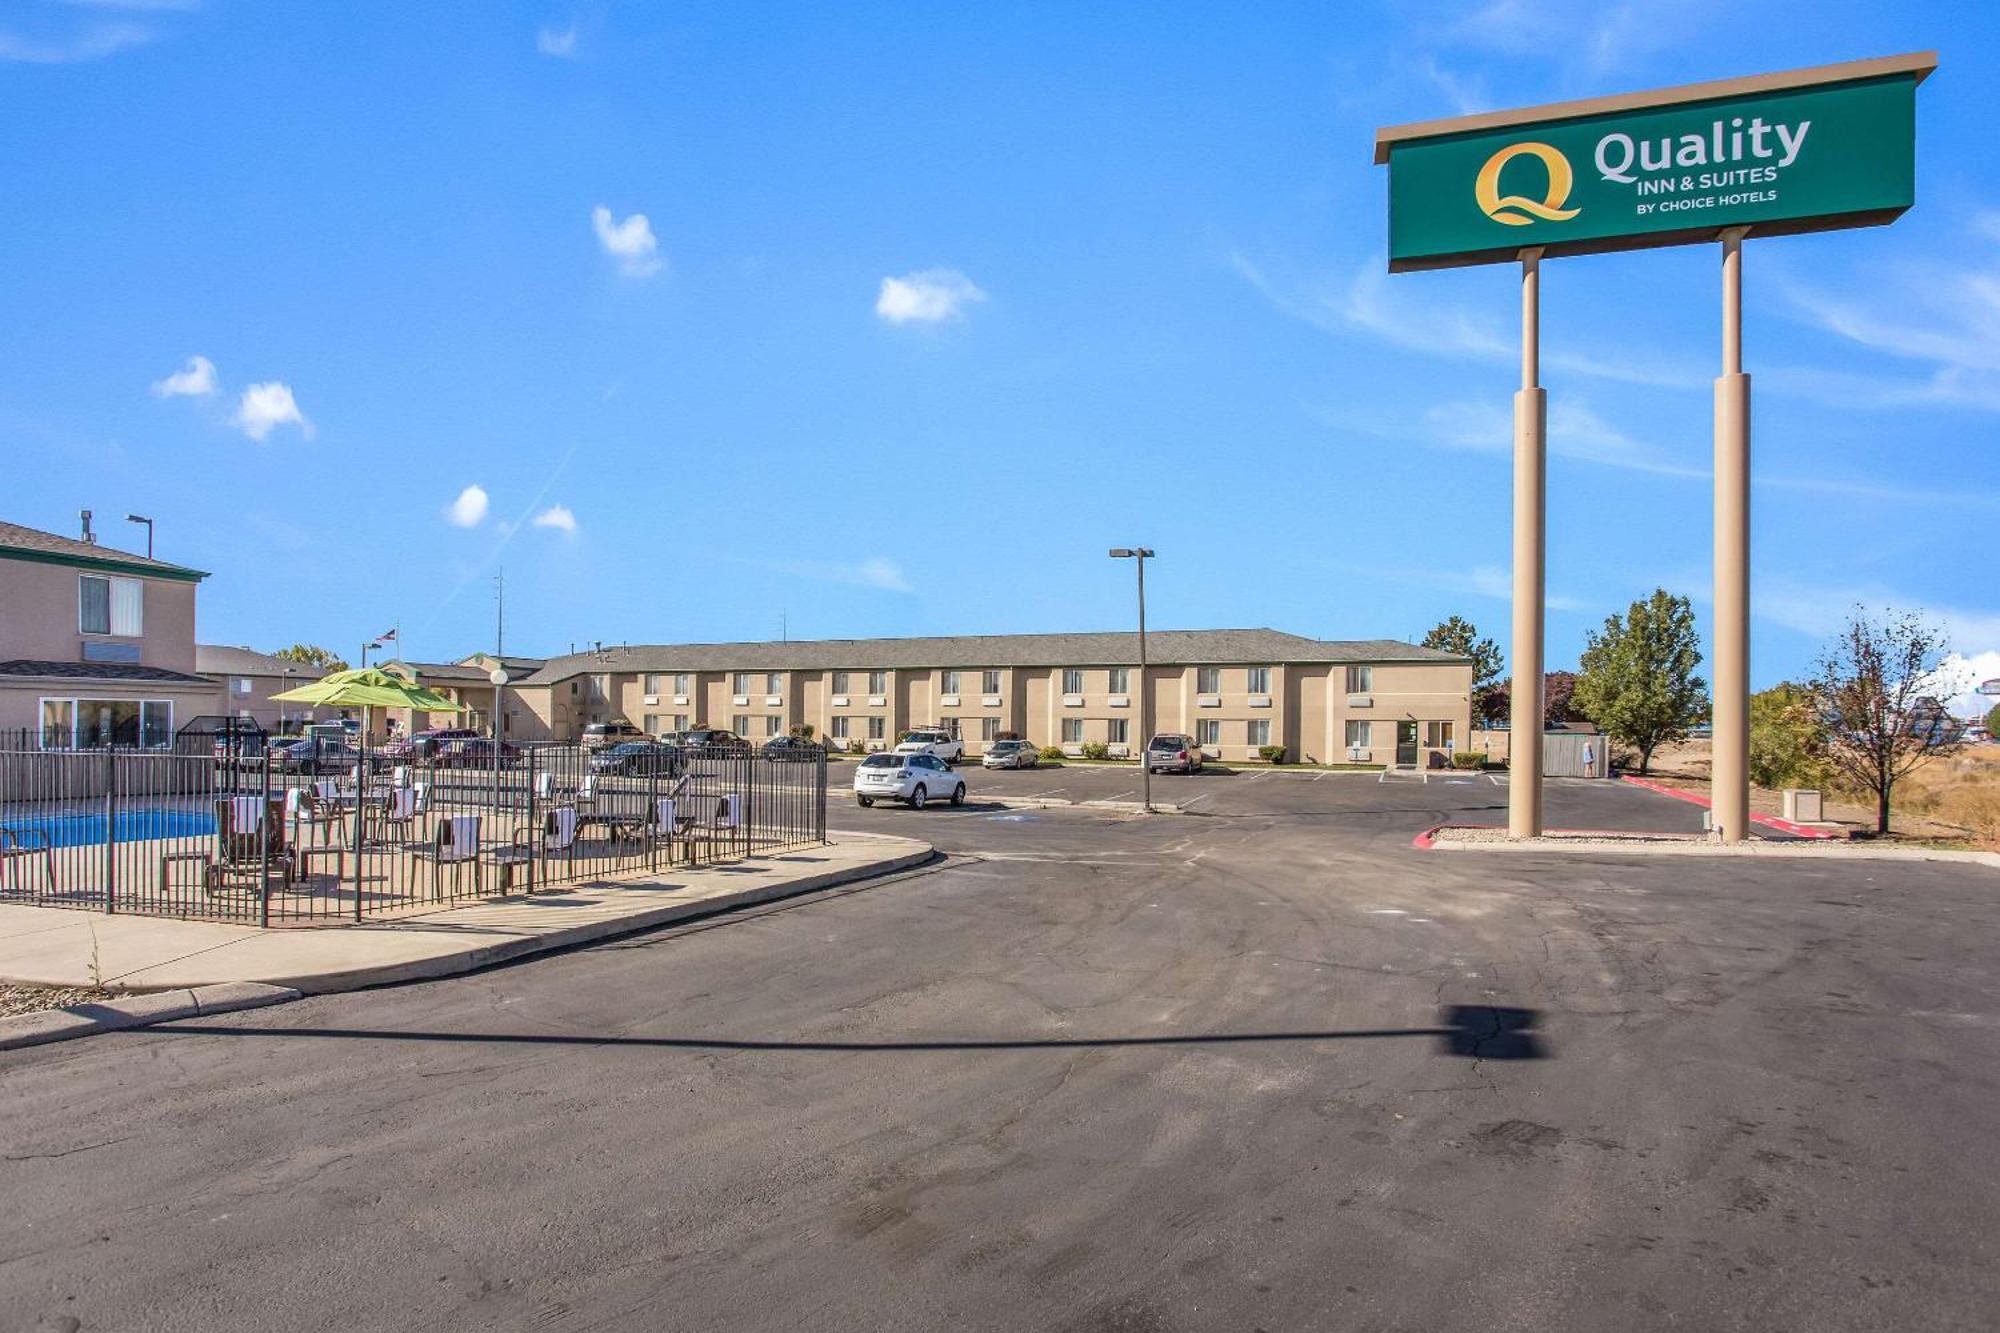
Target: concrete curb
{"x": 1610, "y": 843}
{"x": 136, "y": 1011}
{"x": 472, "y": 960}
{"x": 1059, "y": 803}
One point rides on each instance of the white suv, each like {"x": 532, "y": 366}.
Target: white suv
{"x": 933, "y": 742}
{"x": 917, "y": 779}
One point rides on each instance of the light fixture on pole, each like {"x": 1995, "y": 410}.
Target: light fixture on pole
{"x": 498, "y": 675}
{"x": 135, "y": 518}
{"x": 1140, "y": 555}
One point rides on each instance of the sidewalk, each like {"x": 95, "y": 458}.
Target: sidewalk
{"x": 59, "y": 947}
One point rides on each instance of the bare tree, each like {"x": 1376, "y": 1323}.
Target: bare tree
{"x": 1871, "y": 685}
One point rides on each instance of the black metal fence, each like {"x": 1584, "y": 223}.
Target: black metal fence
{"x": 315, "y": 833}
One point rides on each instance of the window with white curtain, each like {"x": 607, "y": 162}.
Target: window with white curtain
{"x": 110, "y": 605}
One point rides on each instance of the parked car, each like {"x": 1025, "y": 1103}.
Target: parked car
{"x": 638, "y": 759}
{"x": 475, "y": 753}
{"x": 1010, "y": 754}
{"x": 315, "y": 755}
{"x": 600, "y": 734}
{"x": 932, "y": 741}
{"x": 424, "y": 745}
{"x": 799, "y": 748}
{"x": 715, "y": 738}
{"x": 915, "y": 779}
{"x": 1172, "y": 752}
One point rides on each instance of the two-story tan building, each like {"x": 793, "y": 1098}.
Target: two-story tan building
{"x": 1234, "y": 691}
{"x": 96, "y": 644}
{"x": 246, "y": 679}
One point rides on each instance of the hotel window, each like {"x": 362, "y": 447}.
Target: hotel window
{"x": 1437, "y": 735}
{"x": 241, "y": 685}
{"x": 1121, "y": 680}
{"x": 878, "y": 682}
{"x": 876, "y": 726}
{"x": 652, "y": 683}
{"x": 1072, "y": 682}
{"x": 989, "y": 728}
{"x": 1208, "y": 680}
{"x": 90, "y": 724}
{"x": 1072, "y": 730}
{"x": 1360, "y": 679}
{"x": 840, "y": 682}
{"x": 950, "y": 683}
{"x": 680, "y": 721}
{"x": 773, "y": 725}
{"x": 774, "y": 682}
{"x": 1359, "y": 735}
{"x": 600, "y": 686}
{"x": 740, "y": 724}
{"x": 1259, "y": 732}
{"x": 839, "y": 731}
{"x": 741, "y": 683}
{"x": 108, "y": 605}
{"x": 1114, "y": 730}
{"x": 681, "y": 683}
{"x": 1260, "y": 680}
{"x": 1208, "y": 731}
{"x": 989, "y": 682}
{"x": 651, "y": 724}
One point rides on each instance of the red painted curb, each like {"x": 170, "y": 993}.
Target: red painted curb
{"x": 1768, "y": 821}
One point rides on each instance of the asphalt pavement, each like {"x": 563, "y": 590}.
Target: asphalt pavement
{"x": 1263, "y": 1066}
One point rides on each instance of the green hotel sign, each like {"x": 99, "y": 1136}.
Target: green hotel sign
{"x": 1783, "y": 153}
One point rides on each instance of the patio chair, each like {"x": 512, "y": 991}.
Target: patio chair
{"x": 399, "y": 777}
{"x": 586, "y": 792}
{"x": 18, "y": 846}
{"x": 249, "y": 840}
{"x": 455, "y": 843}
{"x": 315, "y": 807}
{"x": 405, "y": 812}
{"x": 545, "y": 788}
{"x": 556, "y": 837}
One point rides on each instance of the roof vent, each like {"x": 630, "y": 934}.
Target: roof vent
{"x": 88, "y": 536}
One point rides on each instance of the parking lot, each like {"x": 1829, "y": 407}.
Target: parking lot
{"x": 1260, "y": 1066}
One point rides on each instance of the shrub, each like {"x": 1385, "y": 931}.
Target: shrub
{"x": 1468, "y": 759}
{"x": 1052, "y": 754}
{"x": 856, "y": 747}
{"x": 1096, "y": 750}
{"x": 1271, "y": 754}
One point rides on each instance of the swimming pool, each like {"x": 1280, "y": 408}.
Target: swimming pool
{"x": 139, "y": 825}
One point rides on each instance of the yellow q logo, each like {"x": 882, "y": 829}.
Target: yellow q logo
{"x": 1514, "y": 210}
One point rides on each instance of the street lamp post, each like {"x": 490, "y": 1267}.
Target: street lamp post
{"x": 134, "y": 518}
{"x": 1140, "y": 555}
{"x": 498, "y": 675}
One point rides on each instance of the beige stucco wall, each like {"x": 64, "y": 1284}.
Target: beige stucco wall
{"x": 39, "y": 614}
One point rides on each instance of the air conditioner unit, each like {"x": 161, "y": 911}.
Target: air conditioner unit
{"x": 1357, "y": 754}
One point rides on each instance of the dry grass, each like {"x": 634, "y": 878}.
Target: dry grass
{"x": 1954, "y": 800}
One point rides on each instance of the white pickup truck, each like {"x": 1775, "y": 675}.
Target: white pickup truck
{"x": 928, "y": 740}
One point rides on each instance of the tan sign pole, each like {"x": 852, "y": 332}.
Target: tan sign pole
{"x": 1524, "y": 698}
{"x": 1730, "y": 799}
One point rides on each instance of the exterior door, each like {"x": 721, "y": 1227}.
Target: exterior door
{"x": 1406, "y": 742}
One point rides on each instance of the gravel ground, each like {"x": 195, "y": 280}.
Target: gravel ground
{"x": 17, "y": 999}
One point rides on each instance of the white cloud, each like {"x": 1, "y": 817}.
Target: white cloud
{"x": 1465, "y": 94}
{"x": 1959, "y": 679}
{"x": 264, "y": 407}
{"x": 469, "y": 509}
{"x": 630, "y": 242}
{"x": 93, "y": 43}
{"x": 1368, "y": 304}
{"x": 926, "y": 297}
{"x": 192, "y": 381}
{"x": 1575, "y": 431}
{"x": 561, "y": 44}
{"x": 872, "y": 572}
{"x": 558, "y": 517}
{"x": 1598, "y": 37}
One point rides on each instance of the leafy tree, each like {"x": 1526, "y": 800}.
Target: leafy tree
{"x": 1787, "y": 738}
{"x": 1870, "y": 686}
{"x": 1638, "y": 680}
{"x": 1993, "y": 721}
{"x": 312, "y": 655}
{"x": 1557, "y": 688}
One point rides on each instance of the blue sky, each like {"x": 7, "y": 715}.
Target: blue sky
{"x": 890, "y": 320}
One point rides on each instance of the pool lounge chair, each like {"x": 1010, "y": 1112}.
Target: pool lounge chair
{"x": 454, "y": 843}
{"x": 249, "y": 840}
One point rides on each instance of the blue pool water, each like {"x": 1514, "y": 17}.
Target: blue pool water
{"x": 85, "y": 830}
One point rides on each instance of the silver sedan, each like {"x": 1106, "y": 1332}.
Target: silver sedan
{"x": 1010, "y": 754}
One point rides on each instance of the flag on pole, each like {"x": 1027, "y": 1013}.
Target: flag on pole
{"x": 384, "y": 638}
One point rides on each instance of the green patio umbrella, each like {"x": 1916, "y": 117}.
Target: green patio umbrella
{"x": 366, "y": 688}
